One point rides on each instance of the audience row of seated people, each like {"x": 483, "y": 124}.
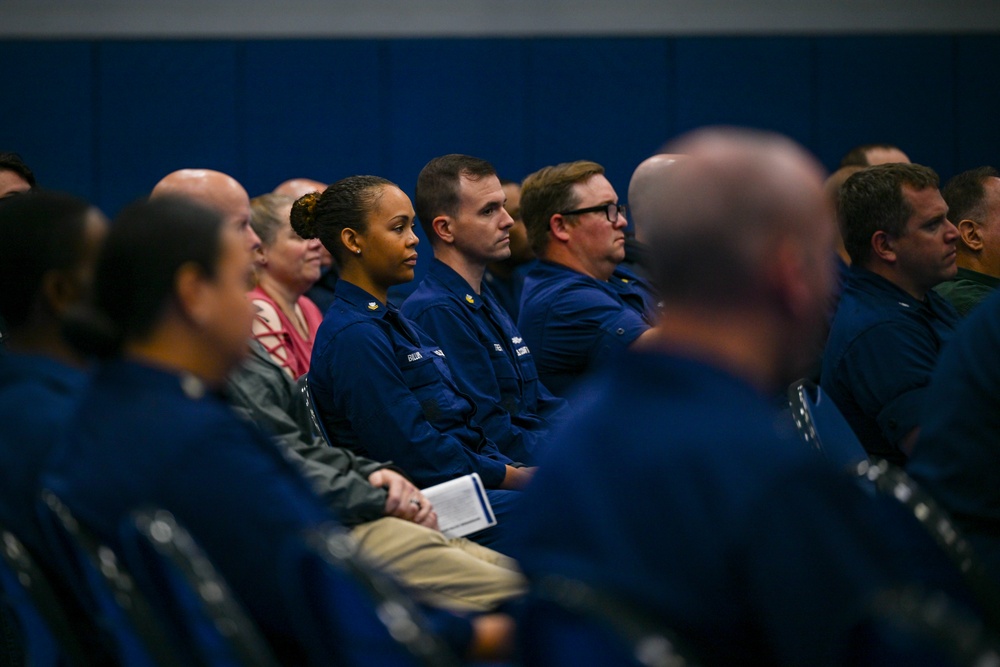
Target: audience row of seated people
{"x": 620, "y": 415}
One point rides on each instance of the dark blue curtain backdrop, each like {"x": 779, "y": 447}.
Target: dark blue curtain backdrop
{"x": 107, "y": 118}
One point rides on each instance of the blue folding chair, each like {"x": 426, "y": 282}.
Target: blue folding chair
{"x": 108, "y": 591}
{"x": 194, "y": 600}
{"x": 42, "y": 628}
{"x": 565, "y": 623}
{"x": 893, "y": 483}
{"x": 350, "y": 614}
{"x": 822, "y": 426}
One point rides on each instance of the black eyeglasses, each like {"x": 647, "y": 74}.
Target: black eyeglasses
{"x": 610, "y": 210}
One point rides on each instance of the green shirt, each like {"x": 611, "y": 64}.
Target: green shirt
{"x": 967, "y": 289}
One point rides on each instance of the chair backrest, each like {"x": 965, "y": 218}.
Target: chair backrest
{"x": 310, "y": 402}
{"x": 108, "y": 590}
{"x": 44, "y": 631}
{"x": 350, "y": 614}
{"x": 911, "y": 626}
{"x": 823, "y": 427}
{"x": 566, "y": 622}
{"x": 193, "y": 599}
{"x": 890, "y": 481}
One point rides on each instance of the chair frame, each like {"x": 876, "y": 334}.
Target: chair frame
{"x": 138, "y": 634}
{"x": 164, "y": 548}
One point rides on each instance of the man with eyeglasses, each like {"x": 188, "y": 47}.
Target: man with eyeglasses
{"x": 573, "y": 317}
{"x": 460, "y": 203}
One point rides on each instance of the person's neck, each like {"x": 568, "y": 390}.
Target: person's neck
{"x": 176, "y": 348}
{"x": 737, "y": 340}
{"x": 43, "y": 341}
{"x": 560, "y": 254}
{"x": 897, "y": 278}
{"x": 977, "y": 264}
{"x": 470, "y": 270}
{"x": 284, "y": 296}
{"x": 353, "y": 273}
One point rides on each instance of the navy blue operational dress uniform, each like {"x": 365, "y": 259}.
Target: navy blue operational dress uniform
{"x": 37, "y": 398}
{"x": 488, "y": 359}
{"x": 574, "y": 323}
{"x": 957, "y": 456}
{"x": 144, "y": 436}
{"x": 384, "y": 390}
{"x": 881, "y": 351}
{"x": 678, "y": 488}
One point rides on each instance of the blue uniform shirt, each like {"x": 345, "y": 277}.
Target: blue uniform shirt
{"x": 145, "y": 436}
{"x": 384, "y": 390}
{"x": 573, "y": 323}
{"x": 957, "y": 457}
{"x": 488, "y": 359}
{"x": 881, "y": 351}
{"x": 637, "y": 292}
{"x": 37, "y": 398}
{"x": 677, "y": 487}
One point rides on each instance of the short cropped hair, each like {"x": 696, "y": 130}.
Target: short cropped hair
{"x": 13, "y": 162}
{"x": 872, "y": 200}
{"x": 39, "y": 233}
{"x": 965, "y": 194}
{"x": 858, "y": 156}
{"x": 548, "y": 191}
{"x": 437, "y": 191}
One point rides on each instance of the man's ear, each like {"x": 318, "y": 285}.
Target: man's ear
{"x": 884, "y": 247}
{"x": 787, "y": 278}
{"x": 559, "y": 226}
{"x": 60, "y": 290}
{"x": 191, "y": 288}
{"x": 969, "y": 232}
{"x": 442, "y": 227}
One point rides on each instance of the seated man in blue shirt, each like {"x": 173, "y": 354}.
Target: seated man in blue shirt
{"x": 973, "y": 199}
{"x": 572, "y": 317}
{"x": 705, "y": 513}
{"x": 48, "y": 243}
{"x": 460, "y": 203}
{"x": 956, "y": 458}
{"x": 890, "y": 325}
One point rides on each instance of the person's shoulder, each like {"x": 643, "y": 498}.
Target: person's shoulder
{"x": 266, "y": 313}
{"x": 429, "y": 295}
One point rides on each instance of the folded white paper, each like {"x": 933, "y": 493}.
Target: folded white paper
{"x": 461, "y": 505}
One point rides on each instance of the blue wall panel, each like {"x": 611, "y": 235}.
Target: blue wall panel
{"x": 47, "y": 111}
{"x": 313, "y": 110}
{"x": 897, "y": 90}
{"x": 764, "y": 83}
{"x": 166, "y": 106}
{"x": 106, "y": 119}
{"x": 453, "y": 96}
{"x": 977, "y": 103}
{"x": 606, "y": 100}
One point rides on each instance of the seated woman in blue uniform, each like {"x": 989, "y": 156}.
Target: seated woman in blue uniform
{"x": 172, "y": 318}
{"x": 382, "y": 388}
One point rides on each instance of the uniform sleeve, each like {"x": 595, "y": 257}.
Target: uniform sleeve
{"x": 591, "y": 324}
{"x": 471, "y": 365}
{"x": 369, "y": 391}
{"x": 887, "y": 369}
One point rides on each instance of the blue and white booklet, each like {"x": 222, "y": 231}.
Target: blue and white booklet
{"x": 461, "y": 505}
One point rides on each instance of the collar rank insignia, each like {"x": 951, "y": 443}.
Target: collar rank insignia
{"x": 468, "y": 297}
{"x": 373, "y": 305}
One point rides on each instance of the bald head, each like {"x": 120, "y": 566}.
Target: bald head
{"x": 296, "y": 187}
{"x": 715, "y": 218}
{"x": 645, "y": 180}
{"x": 220, "y": 192}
